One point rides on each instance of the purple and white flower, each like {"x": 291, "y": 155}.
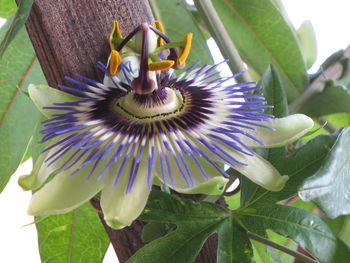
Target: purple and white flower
{"x": 145, "y": 125}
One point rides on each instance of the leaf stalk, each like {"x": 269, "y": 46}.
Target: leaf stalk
{"x": 285, "y": 249}
{"x": 222, "y": 38}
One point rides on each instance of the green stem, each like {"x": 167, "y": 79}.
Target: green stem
{"x": 222, "y": 38}
{"x": 285, "y": 249}
{"x": 169, "y": 45}
{"x": 333, "y": 72}
{"x": 327, "y": 125}
{"x": 154, "y": 9}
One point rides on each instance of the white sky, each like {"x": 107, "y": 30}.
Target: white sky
{"x": 330, "y": 19}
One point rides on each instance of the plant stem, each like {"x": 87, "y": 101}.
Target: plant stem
{"x": 154, "y": 9}
{"x": 316, "y": 87}
{"x": 327, "y": 125}
{"x": 222, "y": 38}
{"x": 285, "y": 249}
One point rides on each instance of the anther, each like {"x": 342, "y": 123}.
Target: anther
{"x": 114, "y": 62}
{"x": 115, "y": 33}
{"x": 160, "y": 27}
{"x": 185, "y": 50}
{"x": 161, "y": 65}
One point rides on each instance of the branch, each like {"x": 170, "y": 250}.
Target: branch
{"x": 286, "y": 250}
{"x": 327, "y": 125}
{"x": 222, "y": 38}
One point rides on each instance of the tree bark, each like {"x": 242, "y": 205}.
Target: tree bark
{"x": 70, "y": 37}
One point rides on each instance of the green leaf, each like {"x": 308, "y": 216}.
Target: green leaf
{"x": 263, "y": 36}
{"x": 233, "y": 201}
{"x": 304, "y": 163}
{"x": 153, "y": 230}
{"x": 274, "y": 92}
{"x": 7, "y": 8}
{"x": 14, "y": 24}
{"x": 329, "y": 187}
{"x": 341, "y": 227}
{"x": 234, "y": 245}
{"x": 260, "y": 253}
{"x": 307, "y": 38}
{"x": 181, "y": 245}
{"x": 303, "y": 227}
{"x": 334, "y": 99}
{"x": 178, "y": 21}
{"x": 18, "y": 115}
{"x": 195, "y": 221}
{"x": 308, "y": 206}
{"x": 339, "y": 120}
{"x": 277, "y": 255}
{"x": 77, "y": 236}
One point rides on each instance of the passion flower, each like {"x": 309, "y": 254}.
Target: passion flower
{"x": 146, "y": 125}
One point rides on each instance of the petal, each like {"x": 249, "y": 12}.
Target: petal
{"x": 287, "y": 130}
{"x": 43, "y": 169}
{"x": 33, "y": 180}
{"x": 120, "y": 209}
{"x": 260, "y": 171}
{"x": 213, "y": 184}
{"x": 256, "y": 168}
{"x": 44, "y": 96}
{"x": 64, "y": 193}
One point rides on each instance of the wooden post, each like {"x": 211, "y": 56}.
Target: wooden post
{"x": 70, "y": 37}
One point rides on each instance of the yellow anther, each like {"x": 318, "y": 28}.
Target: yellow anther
{"x": 161, "y": 65}
{"x": 114, "y": 62}
{"x": 185, "y": 50}
{"x": 115, "y": 33}
{"x": 160, "y": 27}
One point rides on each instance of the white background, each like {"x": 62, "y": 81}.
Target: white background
{"x": 18, "y": 243}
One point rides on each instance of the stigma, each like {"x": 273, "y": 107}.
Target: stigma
{"x": 155, "y": 51}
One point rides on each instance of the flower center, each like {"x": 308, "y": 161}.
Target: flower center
{"x": 159, "y": 103}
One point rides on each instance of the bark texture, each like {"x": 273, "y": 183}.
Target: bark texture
{"x": 69, "y": 37}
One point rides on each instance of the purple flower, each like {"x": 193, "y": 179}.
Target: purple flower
{"x": 146, "y": 125}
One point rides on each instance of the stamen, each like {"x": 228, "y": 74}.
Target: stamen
{"x": 161, "y": 65}
{"x": 173, "y": 51}
{"x": 114, "y": 62}
{"x": 160, "y": 27}
{"x": 115, "y": 33}
{"x": 185, "y": 51}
